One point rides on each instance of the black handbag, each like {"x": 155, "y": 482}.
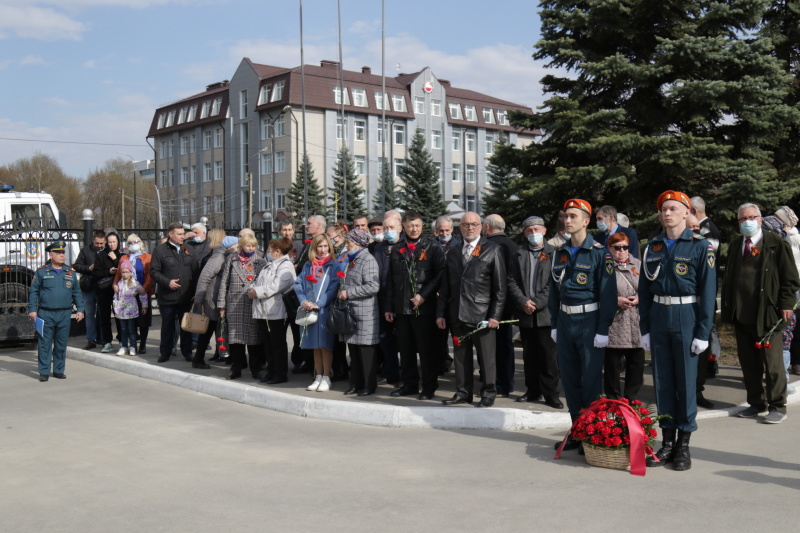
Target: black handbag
{"x": 342, "y": 318}
{"x": 292, "y": 303}
{"x": 105, "y": 282}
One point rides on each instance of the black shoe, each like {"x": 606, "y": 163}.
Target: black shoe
{"x": 486, "y": 402}
{"x": 90, "y": 346}
{"x": 43, "y": 377}
{"x": 667, "y": 450}
{"x": 256, "y": 376}
{"x": 163, "y": 359}
{"x": 681, "y": 459}
{"x": 455, "y": 400}
{"x": 350, "y": 391}
{"x": 236, "y": 374}
{"x": 188, "y": 359}
{"x": 226, "y": 360}
{"x": 366, "y": 392}
{"x": 425, "y": 396}
{"x": 571, "y": 444}
{"x": 142, "y": 349}
{"x": 405, "y": 390}
{"x": 59, "y": 375}
{"x": 201, "y": 366}
{"x": 274, "y": 380}
{"x": 555, "y": 403}
{"x": 528, "y": 397}
{"x": 702, "y": 402}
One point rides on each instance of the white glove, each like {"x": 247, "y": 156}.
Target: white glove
{"x": 646, "y": 342}
{"x": 699, "y": 346}
{"x": 554, "y": 334}
{"x": 600, "y": 341}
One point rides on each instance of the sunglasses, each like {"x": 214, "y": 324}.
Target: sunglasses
{"x": 619, "y": 248}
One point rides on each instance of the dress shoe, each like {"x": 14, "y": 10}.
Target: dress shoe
{"x": 528, "y": 397}
{"x": 555, "y": 403}
{"x": 59, "y": 375}
{"x": 274, "y": 380}
{"x": 404, "y": 391}
{"x": 366, "y": 392}
{"x": 163, "y": 359}
{"x": 90, "y": 346}
{"x": 455, "y": 400}
{"x": 43, "y": 377}
{"x": 571, "y": 444}
{"x": 702, "y": 402}
{"x": 350, "y": 391}
{"x": 142, "y": 349}
{"x": 256, "y": 375}
{"x": 236, "y": 374}
{"x": 425, "y": 396}
{"x": 201, "y": 366}
{"x": 486, "y": 402}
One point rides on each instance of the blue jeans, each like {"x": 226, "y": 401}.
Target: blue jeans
{"x": 127, "y": 332}
{"x": 90, "y": 310}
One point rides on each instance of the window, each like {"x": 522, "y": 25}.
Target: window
{"x": 266, "y": 196}
{"x": 264, "y": 129}
{"x": 361, "y": 130}
{"x": 266, "y": 163}
{"x": 243, "y": 104}
{"x": 182, "y": 115}
{"x": 438, "y": 170}
{"x": 184, "y": 208}
{"x": 469, "y": 113}
{"x": 184, "y": 145}
{"x": 170, "y": 118}
{"x": 277, "y": 91}
{"x": 192, "y": 206}
{"x": 471, "y": 203}
{"x": 455, "y": 111}
{"x": 339, "y": 128}
{"x": 216, "y": 106}
{"x": 161, "y": 119}
{"x": 399, "y": 102}
{"x": 206, "y": 205}
{"x": 456, "y": 171}
{"x": 192, "y": 143}
{"x": 360, "y": 97}
{"x": 280, "y": 198}
{"x": 218, "y": 138}
{"x": 398, "y": 164}
{"x": 470, "y": 173}
{"x": 206, "y": 109}
{"x": 380, "y": 132}
{"x": 436, "y": 108}
{"x": 163, "y": 178}
{"x": 361, "y": 164}
{"x": 502, "y": 117}
{"x": 380, "y": 99}
{"x": 337, "y": 96}
{"x": 171, "y": 177}
{"x": 489, "y": 143}
{"x": 206, "y": 140}
{"x": 280, "y": 161}
{"x": 419, "y": 105}
{"x": 470, "y": 141}
{"x": 263, "y": 95}
{"x": 217, "y": 170}
{"x": 193, "y": 174}
{"x": 399, "y": 134}
{"x": 488, "y": 116}
{"x": 162, "y": 149}
{"x": 218, "y": 203}
{"x": 170, "y": 147}
{"x": 206, "y": 171}
{"x": 436, "y": 139}
{"x": 280, "y": 126}
{"x": 456, "y": 141}
{"x": 192, "y": 113}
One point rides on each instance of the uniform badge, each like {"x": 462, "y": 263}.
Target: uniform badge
{"x": 657, "y": 247}
{"x": 711, "y": 260}
{"x": 582, "y": 278}
{"x": 68, "y": 284}
{"x": 681, "y": 269}
{"x": 563, "y": 259}
{"x": 609, "y": 267}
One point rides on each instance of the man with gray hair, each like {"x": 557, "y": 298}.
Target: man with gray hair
{"x": 708, "y": 229}
{"x": 315, "y": 226}
{"x": 443, "y": 231}
{"x": 607, "y": 224}
{"x": 387, "y": 340}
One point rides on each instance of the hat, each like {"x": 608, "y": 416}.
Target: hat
{"x": 675, "y": 196}
{"x": 56, "y": 246}
{"x": 359, "y": 237}
{"x": 532, "y": 221}
{"x": 774, "y": 225}
{"x": 125, "y": 265}
{"x": 787, "y": 216}
{"x": 229, "y": 241}
{"x": 377, "y": 221}
{"x": 576, "y": 203}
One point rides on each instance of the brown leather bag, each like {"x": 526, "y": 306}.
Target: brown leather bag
{"x": 194, "y": 322}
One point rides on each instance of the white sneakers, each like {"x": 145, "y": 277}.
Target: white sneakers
{"x": 132, "y": 351}
{"x": 321, "y": 384}
{"x": 122, "y": 351}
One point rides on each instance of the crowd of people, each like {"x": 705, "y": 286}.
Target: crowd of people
{"x": 587, "y": 306}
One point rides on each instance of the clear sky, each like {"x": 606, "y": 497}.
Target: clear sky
{"x": 94, "y": 71}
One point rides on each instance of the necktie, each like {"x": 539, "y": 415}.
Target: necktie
{"x": 746, "y": 249}
{"x": 467, "y": 253}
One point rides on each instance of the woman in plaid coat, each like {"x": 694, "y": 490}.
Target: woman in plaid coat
{"x": 238, "y": 275}
{"x": 360, "y": 286}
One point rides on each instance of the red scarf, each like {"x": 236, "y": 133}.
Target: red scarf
{"x": 317, "y": 264}
{"x": 243, "y": 260}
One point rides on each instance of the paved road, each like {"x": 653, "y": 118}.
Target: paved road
{"x": 104, "y": 451}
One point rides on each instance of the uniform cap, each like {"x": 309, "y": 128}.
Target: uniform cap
{"x": 673, "y": 195}
{"x": 56, "y": 246}
{"x": 577, "y": 203}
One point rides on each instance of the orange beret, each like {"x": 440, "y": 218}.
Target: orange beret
{"x": 673, "y": 195}
{"x": 576, "y": 203}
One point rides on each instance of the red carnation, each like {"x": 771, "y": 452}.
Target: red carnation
{"x": 220, "y": 339}
{"x": 307, "y": 241}
{"x": 412, "y": 246}
{"x": 341, "y": 274}
{"x": 647, "y": 420}
{"x": 636, "y": 402}
{"x": 311, "y": 278}
{"x": 616, "y": 441}
{"x": 768, "y": 345}
{"x": 597, "y": 439}
{"x": 644, "y": 411}
{"x": 653, "y": 432}
{"x": 758, "y": 345}
{"x": 616, "y": 431}
{"x": 402, "y": 250}
{"x": 222, "y": 348}
{"x": 456, "y": 341}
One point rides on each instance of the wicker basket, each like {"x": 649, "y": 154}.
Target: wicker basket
{"x": 617, "y": 458}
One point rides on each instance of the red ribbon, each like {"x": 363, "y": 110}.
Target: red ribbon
{"x": 635, "y": 431}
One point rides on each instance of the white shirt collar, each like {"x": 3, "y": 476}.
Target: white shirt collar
{"x": 754, "y": 239}
{"x": 472, "y": 243}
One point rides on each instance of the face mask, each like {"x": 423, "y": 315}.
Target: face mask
{"x": 602, "y": 225}
{"x": 444, "y": 239}
{"x": 391, "y": 235}
{"x": 134, "y": 247}
{"x": 269, "y": 257}
{"x": 353, "y": 252}
{"x": 749, "y": 228}
{"x": 378, "y": 237}
{"x": 196, "y": 239}
{"x": 247, "y": 254}
{"x": 535, "y": 239}
{"x": 567, "y": 235}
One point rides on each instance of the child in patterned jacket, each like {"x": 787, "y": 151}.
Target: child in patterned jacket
{"x": 126, "y": 309}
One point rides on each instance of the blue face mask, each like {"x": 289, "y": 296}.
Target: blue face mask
{"x": 269, "y": 257}
{"x": 444, "y": 239}
{"x": 535, "y": 239}
{"x": 247, "y": 254}
{"x": 749, "y": 228}
{"x": 196, "y": 239}
{"x": 602, "y": 225}
{"x": 391, "y": 235}
{"x": 353, "y": 252}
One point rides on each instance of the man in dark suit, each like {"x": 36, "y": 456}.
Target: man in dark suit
{"x": 171, "y": 267}
{"x": 392, "y": 233}
{"x": 472, "y": 292}
{"x": 494, "y": 228}
{"x": 443, "y": 231}
{"x": 607, "y": 224}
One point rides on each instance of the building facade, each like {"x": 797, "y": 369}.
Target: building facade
{"x": 214, "y": 150}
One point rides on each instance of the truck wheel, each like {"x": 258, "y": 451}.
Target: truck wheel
{"x": 13, "y": 293}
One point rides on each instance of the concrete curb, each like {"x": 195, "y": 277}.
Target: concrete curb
{"x": 371, "y": 414}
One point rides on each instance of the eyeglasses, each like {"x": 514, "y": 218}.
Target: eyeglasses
{"x": 620, "y": 248}
{"x": 133, "y": 242}
{"x": 750, "y": 218}
{"x": 471, "y": 224}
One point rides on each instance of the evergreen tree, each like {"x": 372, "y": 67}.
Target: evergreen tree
{"x": 421, "y": 190}
{"x": 499, "y": 198}
{"x": 387, "y": 183}
{"x": 345, "y": 178}
{"x": 655, "y": 96}
{"x": 295, "y": 200}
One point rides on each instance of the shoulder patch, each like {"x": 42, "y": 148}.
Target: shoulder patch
{"x": 43, "y": 266}
{"x": 598, "y": 245}
{"x": 696, "y": 236}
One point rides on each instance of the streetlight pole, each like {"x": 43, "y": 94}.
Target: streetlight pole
{"x": 272, "y": 194}
{"x": 135, "y": 200}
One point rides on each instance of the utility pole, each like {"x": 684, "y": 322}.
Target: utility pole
{"x": 122, "y": 201}
{"x": 249, "y": 199}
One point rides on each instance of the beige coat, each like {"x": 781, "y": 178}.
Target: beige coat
{"x": 624, "y": 331}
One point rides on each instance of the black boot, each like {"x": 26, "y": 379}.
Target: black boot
{"x": 667, "y": 448}
{"x": 681, "y": 459}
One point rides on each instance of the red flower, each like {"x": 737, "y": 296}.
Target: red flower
{"x": 597, "y": 439}
{"x": 644, "y": 411}
{"x": 220, "y": 339}
{"x": 616, "y": 431}
{"x": 250, "y": 278}
{"x": 456, "y": 341}
{"x": 653, "y": 432}
{"x": 412, "y": 246}
{"x": 307, "y": 241}
{"x": 636, "y": 402}
{"x": 758, "y": 345}
{"x": 647, "y": 420}
{"x": 402, "y": 250}
{"x": 768, "y": 345}
{"x": 311, "y": 278}
{"x": 222, "y": 348}
{"x": 341, "y": 274}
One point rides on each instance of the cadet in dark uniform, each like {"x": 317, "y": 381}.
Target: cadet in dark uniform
{"x": 676, "y": 308}
{"x": 53, "y": 292}
{"x": 582, "y": 305}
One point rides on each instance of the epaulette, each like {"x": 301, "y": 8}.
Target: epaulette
{"x": 598, "y": 245}
{"x": 696, "y": 236}
{"x": 43, "y": 266}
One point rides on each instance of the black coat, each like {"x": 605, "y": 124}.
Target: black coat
{"x": 509, "y": 248}
{"x": 428, "y": 266}
{"x": 476, "y": 292}
{"x": 519, "y": 291}
{"x": 381, "y": 254}
{"x": 86, "y": 259}
{"x": 166, "y": 265}
{"x": 103, "y": 265}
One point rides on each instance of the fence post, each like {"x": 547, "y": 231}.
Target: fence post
{"x": 88, "y": 226}
{"x": 267, "y": 229}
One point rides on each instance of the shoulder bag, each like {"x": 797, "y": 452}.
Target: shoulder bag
{"x": 194, "y": 322}
{"x": 306, "y": 317}
{"x": 342, "y": 318}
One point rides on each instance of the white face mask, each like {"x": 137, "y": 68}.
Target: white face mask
{"x": 535, "y": 239}
{"x": 134, "y": 247}
{"x": 378, "y": 237}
